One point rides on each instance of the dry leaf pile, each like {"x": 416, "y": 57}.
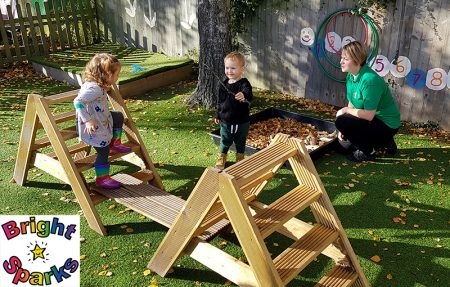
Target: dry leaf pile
{"x": 261, "y": 133}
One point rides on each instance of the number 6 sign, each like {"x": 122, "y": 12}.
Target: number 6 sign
{"x": 436, "y": 79}
{"x": 401, "y": 68}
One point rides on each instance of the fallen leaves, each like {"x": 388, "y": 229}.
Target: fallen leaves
{"x": 375, "y": 258}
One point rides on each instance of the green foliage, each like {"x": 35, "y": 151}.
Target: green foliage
{"x": 376, "y": 3}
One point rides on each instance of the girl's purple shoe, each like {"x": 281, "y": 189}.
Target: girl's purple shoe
{"x": 107, "y": 182}
{"x": 117, "y": 146}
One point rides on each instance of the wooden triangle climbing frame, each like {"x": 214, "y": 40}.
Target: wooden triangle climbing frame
{"x": 231, "y": 195}
{"x": 68, "y": 159}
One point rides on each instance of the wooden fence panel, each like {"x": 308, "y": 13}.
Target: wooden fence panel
{"x": 48, "y": 29}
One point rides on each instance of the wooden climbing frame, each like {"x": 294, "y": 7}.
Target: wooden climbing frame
{"x": 231, "y": 195}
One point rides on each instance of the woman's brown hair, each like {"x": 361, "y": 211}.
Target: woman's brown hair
{"x": 100, "y": 69}
{"x": 357, "y": 52}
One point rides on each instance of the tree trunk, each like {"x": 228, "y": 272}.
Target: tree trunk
{"x": 215, "y": 43}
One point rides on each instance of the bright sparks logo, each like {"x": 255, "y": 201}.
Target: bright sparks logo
{"x": 39, "y": 250}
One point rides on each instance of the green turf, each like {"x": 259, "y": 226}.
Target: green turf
{"x": 366, "y": 196}
{"x": 136, "y": 63}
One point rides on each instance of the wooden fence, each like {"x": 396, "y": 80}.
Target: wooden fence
{"x": 46, "y": 28}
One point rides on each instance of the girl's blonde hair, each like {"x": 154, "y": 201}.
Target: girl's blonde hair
{"x": 101, "y": 68}
{"x": 235, "y": 56}
{"x": 357, "y": 52}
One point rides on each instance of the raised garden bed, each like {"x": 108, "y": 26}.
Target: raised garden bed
{"x": 141, "y": 70}
{"x": 325, "y": 129}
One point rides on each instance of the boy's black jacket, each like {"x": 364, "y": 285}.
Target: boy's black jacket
{"x": 231, "y": 110}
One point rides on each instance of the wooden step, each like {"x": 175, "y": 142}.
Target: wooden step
{"x": 260, "y": 163}
{"x": 67, "y": 133}
{"x": 217, "y": 213}
{"x": 62, "y": 97}
{"x": 338, "y": 277}
{"x": 60, "y": 118}
{"x": 296, "y": 257}
{"x": 87, "y": 162}
{"x": 73, "y": 149}
{"x": 284, "y": 208}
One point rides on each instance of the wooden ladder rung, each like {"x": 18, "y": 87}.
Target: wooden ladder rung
{"x": 87, "y": 162}
{"x": 217, "y": 213}
{"x": 284, "y": 208}
{"x": 60, "y": 118}
{"x": 63, "y": 97}
{"x": 73, "y": 149}
{"x": 96, "y": 197}
{"x": 338, "y": 277}
{"x": 67, "y": 133}
{"x": 296, "y": 257}
{"x": 260, "y": 163}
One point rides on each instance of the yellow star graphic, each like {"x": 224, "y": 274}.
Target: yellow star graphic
{"x": 38, "y": 252}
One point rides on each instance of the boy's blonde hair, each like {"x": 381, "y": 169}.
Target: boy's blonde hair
{"x": 357, "y": 52}
{"x": 235, "y": 56}
{"x": 101, "y": 68}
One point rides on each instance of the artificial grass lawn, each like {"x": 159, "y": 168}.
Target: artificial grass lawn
{"x": 136, "y": 63}
{"x": 412, "y": 186}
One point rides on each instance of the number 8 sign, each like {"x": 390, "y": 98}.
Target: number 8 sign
{"x": 436, "y": 79}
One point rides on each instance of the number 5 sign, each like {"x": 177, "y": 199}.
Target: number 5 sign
{"x": 381, "y": 65}
{"x": 401, "y": 68}
{"x": 436, "y": 79}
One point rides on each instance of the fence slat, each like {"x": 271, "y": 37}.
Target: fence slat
{"x": 93, "y": 21}
{"x": 84, "y": 23}
{"x": 23, "y": 31}
{"x": 75, "y": 22}
{"x": 5, "y": 40}
{"x": 12, "y": 26}
{"x": 61, "y": 35}
{"x": 64, "y": 4}
{"x": 51, "y": 30}
{"x": 32, "y": 29}
{"x": 41, "y": 27}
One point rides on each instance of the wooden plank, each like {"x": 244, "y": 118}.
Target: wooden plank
{"x": 93, "y": 21}
{"x": 27, "y": 137}
{"x": 220, "y": 262}
{"x": 82, "y": 11}
{"x": 338, "y": 276}
{"x": 302, "y": 252}
{"x": 247, "y": 233}
{"x": 41, "y": 27}
{"x": 50, "y": 166}
{"x": 62, "y": 97}
{"x": 75, "y": 22}
{"x": 76, "y": 181}
{"x": 66, "y": 134}
{"x": 51, "y": 28}
{"x": 12, "y": 25}
{"x": 188, "y": 220}
{"x": 61, "y": 35}
{"x": 63, "y": 117}
{"x": 23, "y": 31}
{"x": 32, "y": 30}
{"x": 74, "y": 149}
{"x": 296, "y": 229}
{"x": 5, "y": 40}
{"x": 64, "y": 4}
{"x": 259, "y": 163}
{"x": 284, "y": 208}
